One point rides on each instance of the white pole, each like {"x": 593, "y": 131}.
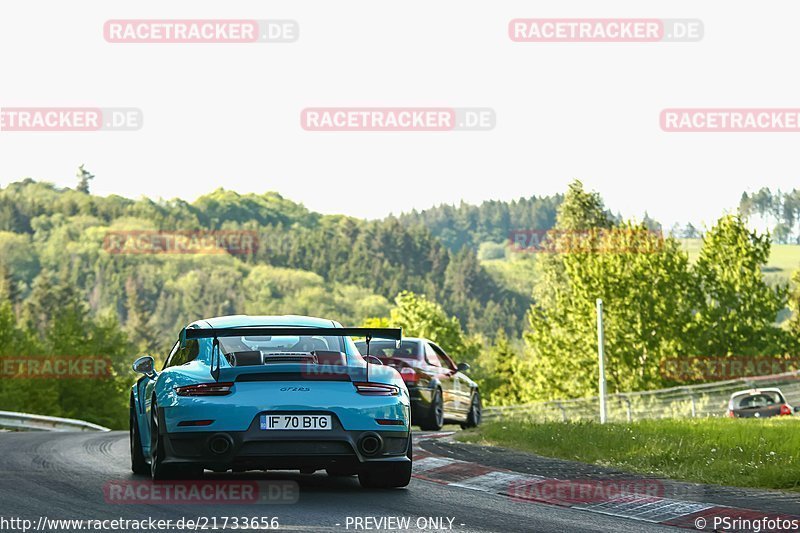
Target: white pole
{"x": 601, "y": 358}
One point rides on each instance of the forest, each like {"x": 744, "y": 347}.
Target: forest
{"x": 525, "y": 324}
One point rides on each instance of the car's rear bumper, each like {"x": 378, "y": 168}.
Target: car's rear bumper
{"x": 284, "y": 449}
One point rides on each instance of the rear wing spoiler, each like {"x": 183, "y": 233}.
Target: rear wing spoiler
{"x": 261, "y": 331}
{"x": 277, "y": 331}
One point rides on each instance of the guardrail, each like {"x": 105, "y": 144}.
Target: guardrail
{"x": 691, "y": 401}
{"x": 29, "y": 422}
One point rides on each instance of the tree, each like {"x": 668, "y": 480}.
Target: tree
{"x": 645, "y": 285}
{"x": 737, "y": 309}
{"x": 420, "y": 317}
{"x": 507, "y": 377}
{"x": 84, "y": 177}
{"x": 794, "y": 305}
{"x": 691, "y": 232}
{"x": 582, "y": 210}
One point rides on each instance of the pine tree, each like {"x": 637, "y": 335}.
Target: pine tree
{"x": 84, "y": 177}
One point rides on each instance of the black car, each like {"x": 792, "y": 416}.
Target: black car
{"x": 439, "y": 390}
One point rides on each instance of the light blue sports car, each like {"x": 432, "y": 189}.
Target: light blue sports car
{"x": 271, "y": 392}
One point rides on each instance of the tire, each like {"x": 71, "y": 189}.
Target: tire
{"x": 434, "y": 418}
{"x": 387, "y": 476}
{"x": 475, "y": 412}
{"x": 138, "y": 464}
{"x": 158, "y": 470}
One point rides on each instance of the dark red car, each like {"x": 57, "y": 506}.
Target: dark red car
{"x": 440, "y": 391}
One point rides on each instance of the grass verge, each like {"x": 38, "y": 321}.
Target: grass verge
{"x": 744, "y": 453}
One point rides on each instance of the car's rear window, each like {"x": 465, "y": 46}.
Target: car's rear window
{"x": 761, "y": 399}
{"x": 407, "y": 350}
{"x": 281, "y": 344}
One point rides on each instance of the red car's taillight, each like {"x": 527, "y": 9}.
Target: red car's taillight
{"x": 376, "y": 389}
{"x": 205, "y": 389}
{"x": 409, "y": 375}
{"x": 786, "y": 410}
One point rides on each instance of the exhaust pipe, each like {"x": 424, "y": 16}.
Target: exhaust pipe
{"x": 370, "y": 444}
{"x": 220, "y": 444}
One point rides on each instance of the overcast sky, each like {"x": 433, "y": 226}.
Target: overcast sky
{"x": 228, "y": 115}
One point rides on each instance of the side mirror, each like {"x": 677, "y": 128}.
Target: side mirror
{"x": 371, "y": 359}
{"x": 145, "y": 365}
{"x": 462, "y": 367}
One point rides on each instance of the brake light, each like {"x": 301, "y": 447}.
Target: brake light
{"x": 193, "y": 423}
{"x": 376, "y": 389}
{"x": 389, "y": 422}
{"x": 729, "y": 414}
{"x": 205, "y": 389}
{"x": 786, "y": 410}
{"x": 409, "y": 375}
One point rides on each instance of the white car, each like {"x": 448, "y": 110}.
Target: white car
{"x": 759, "y": 403}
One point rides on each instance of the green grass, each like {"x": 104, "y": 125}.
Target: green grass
{"x": 744, "y": 453}
{"x": 517, "y": 268}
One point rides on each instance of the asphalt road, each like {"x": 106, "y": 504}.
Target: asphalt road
{"x": 62, "y": 476}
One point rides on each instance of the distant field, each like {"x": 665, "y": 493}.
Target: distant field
{"x": 722, "y": 451}
{"x": 784, "y": 259}
{"x": 516, "y": 270}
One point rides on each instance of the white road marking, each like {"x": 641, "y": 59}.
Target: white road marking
{"x": 498, "y": 482}
{"x": 429, "y": 463}
{"x": 648, "y": 510}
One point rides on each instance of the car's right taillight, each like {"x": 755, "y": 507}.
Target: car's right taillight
{"x": 409, "y": 375}
{"x": 375, "y": 389}
{"x": 205, "y": 389}
{"x": 729, "y": 414}
{"x": 785, "y": 410}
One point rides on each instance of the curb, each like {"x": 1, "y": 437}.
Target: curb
{"x": 521, "y": 487}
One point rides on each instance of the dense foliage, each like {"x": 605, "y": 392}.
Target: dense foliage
{"x": 525, "y": 322}
{"x": 657, "y": 305}
{"x": 326, "y": 265}
{"x": 469, "y": 225}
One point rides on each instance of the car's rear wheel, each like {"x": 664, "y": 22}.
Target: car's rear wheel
{"x": 475, "y": 412}
{"x": 388, "y": 475}
{"x": 138, "y": 464}
{"x": 159, "y": 470}
{"x": 434, "y": 418}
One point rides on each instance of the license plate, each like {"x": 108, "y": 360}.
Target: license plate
{"x": 296, "y": 422}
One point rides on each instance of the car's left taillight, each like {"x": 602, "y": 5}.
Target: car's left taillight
{"x": 786, "y": 410}
{"x": 375, "y": 389}
{"x": 205, "y": 389}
